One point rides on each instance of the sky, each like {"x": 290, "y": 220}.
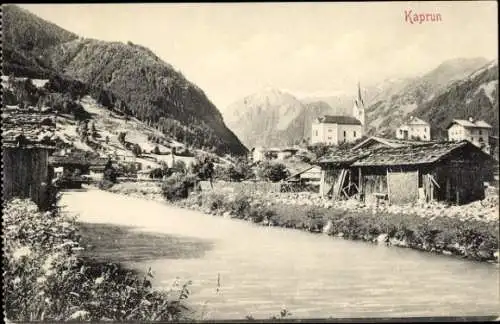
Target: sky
{"x": 309, "y": 49}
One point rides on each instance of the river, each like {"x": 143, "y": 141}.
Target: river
{"x": 239, "y": 269}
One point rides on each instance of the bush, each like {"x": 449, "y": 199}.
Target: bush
{"x": 240, "y": 205}
{"x": 272, "y": 171}
{"x": 45, "y": 279}
{"x": 179, "y": 166}
{"x": 177, "y": 187}
{"x": 215, "y": 201}
{"x": 237, "y": 172}
{"x": 105, "y": 184}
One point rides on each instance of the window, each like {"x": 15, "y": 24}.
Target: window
{"x": 329, "y": 130}
{"x": 354, "y": 133}
{"x": 344, "y": 134}
{"x": 316, "y": 133}
{"x": 329, "y": 137}
{"x": 401, "y": 131}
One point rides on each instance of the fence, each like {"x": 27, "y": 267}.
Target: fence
{"x": 243, "y": 187}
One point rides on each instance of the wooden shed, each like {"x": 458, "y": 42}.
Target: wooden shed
{"x": 27, "y": 141}
{"x": 446, "y": 171}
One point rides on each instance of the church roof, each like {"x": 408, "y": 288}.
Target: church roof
{"x": 341, "y": 120}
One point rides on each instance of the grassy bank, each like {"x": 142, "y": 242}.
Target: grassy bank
{"x": 469, "y": 238}
{"x": 47, "y": 278}
{"x": 474, "y": 238}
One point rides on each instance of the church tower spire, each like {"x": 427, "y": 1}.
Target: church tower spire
{"x": 359, "y": 108}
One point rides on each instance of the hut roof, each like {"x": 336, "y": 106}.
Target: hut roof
{"x": 403, "y": 155}
{"x": 344, "y": 156}
{"x": 390, "y": 142}
{"x": 411, "y": 155}
{"x": 28, "y": 127}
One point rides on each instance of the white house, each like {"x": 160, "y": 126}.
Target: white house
{"x": 335, "y": 130}
{"x": 415, "y": 128}
{"x": 476, "y": 132}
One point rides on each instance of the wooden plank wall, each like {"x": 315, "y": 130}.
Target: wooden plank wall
{"x": 403, "y": 187}
{"x": 24, "y": 172}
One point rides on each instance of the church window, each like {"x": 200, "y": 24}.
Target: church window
{"x": 344, "y": 134}
{"x": 354, "y": 133}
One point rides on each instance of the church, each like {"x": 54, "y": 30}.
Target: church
{"x": 335, "y": 129}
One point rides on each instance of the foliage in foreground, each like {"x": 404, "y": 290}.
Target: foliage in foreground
{"x": 46, "y": 280}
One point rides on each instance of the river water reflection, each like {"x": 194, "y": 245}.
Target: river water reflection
{"x": 240, "y": 269}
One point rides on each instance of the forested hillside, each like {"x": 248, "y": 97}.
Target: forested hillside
{"x": 475, "y": 96}
{"x": 124, "y": 77}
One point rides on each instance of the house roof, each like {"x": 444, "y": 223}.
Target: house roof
{"x": 341, "y": 120}
{"x": 300, "y": 172}
{"x": 416, "y": 121}
{"x": 98, "y": 167}
{"x": 469, "y": 124}
{"x": 413, "y": 154}
{"x": 77, "y": 160}
{"x": 28, "y": 127}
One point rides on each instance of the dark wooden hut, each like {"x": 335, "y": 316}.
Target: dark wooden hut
{"x": 446, "y": 171}
{"x": 27, "y": 141}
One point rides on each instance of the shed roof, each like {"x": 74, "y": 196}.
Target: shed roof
{"x": 389, "y": 142}
{"x": 403, "y": 155}
{"x": 343, "y": 156}
{"x": 412, "y": 155}
{"x": 28, "y": 127}
{"x": 336, "y": 119}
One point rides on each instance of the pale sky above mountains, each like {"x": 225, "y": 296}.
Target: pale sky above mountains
{"x": 233, "y": 50}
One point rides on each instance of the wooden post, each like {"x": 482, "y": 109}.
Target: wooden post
{"x": 448, "y": 189}
{"x": 360, "y": 180}
{"x": 322, "y": 183}
{"x": 388, "y": 188}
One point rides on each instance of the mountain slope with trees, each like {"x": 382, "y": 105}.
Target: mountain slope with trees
{"x": 127, "y": 78}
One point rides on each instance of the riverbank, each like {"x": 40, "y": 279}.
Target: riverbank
{"x": 469, "y": 231}
{"x": 47, "y": 277}
{"x": 265, "y": 268}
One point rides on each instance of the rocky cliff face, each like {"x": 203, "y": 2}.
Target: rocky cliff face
{"x": 274, "y": 118}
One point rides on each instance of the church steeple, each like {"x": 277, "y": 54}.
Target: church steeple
{"x": 359, "y": 107}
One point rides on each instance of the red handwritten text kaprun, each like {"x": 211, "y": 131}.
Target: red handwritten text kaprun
{"x": 420, "y": 18}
